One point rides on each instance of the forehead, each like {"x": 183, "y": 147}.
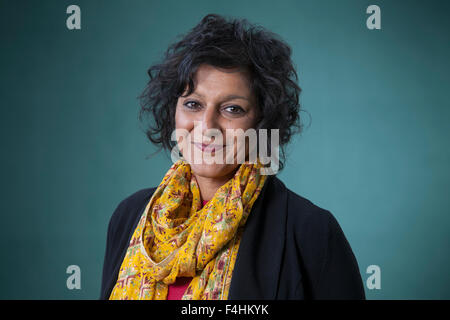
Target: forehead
{"x": 210, "y": 80}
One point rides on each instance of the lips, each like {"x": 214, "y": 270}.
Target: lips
{"x": 208, "y": 147}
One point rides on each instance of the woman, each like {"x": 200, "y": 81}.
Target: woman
{"x": 221, "y": 229}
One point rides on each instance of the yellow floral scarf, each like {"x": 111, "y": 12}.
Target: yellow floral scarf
{"x": 176, "y": 237}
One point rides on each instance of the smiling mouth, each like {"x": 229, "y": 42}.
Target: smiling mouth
{"x": 208, "y": 147}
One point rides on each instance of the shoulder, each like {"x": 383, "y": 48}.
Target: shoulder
{"x": 129, "y": 208}
{"x": 120, "y": 227}
{"x": 327, "y": 256}
{"x": 305, "y": 211}
{"x": 300, "y": 209}
{"x": 136, "y": 198}
{"x": 306, "y": 219}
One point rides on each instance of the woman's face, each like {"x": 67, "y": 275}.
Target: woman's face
{"x": 222, "y": 100}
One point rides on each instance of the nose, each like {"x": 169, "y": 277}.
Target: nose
{"x": 209, "y": 120}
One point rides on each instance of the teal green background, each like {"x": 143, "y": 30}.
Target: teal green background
{"x": 374, "y": 151}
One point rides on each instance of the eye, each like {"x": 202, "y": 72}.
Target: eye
{"x": 235, "y": 110}
{"x": 193, "y": 105}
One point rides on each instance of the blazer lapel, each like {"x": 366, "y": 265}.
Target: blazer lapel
{"x": 258, "y": 264}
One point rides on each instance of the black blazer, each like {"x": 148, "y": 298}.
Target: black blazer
{"x": 290, "y": 249}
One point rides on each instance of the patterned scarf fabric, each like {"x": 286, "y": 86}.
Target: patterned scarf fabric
{"x": 176, "y": 237}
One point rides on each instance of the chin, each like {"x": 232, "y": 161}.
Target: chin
{"x": 213, "y": 170}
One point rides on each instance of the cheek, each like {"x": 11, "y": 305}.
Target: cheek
{"x": 180, "y": 120}
{"x": 243, "y": 124}
{"x": 183, "y": 122}
{"x": 248, "y": 121}
{"x": 243, "y": 144}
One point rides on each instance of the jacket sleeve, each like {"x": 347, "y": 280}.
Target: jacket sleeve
{"x": 339, "y": 276}
{"x": 121, "y": 226}
{"x": 110, "y": 252}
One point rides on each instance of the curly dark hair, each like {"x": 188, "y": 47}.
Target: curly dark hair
{"x": 226, "y": 44}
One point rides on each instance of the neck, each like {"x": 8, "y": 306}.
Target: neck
{"x": 208, "y": 186}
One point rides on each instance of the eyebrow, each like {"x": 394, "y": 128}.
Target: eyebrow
{"x": 225, "y": 98}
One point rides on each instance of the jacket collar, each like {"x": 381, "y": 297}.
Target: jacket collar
{"x": 258, "y": 264}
